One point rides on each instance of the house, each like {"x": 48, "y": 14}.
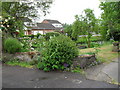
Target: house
{"x": 45, "y": 26}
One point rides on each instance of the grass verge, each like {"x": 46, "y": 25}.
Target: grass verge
{"x": 17, "y": 63}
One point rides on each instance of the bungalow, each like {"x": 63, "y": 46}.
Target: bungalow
{"x": 45, "y": 26}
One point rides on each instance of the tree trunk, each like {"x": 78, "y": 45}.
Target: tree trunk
{"x": 88, "y": 42}
{"x": 89, "y": 36}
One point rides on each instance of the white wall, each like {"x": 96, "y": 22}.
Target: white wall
{"x": 35, "y": 32}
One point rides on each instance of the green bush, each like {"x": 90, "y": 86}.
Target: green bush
{"x": 38, "y": 43}
{"x": 93, "y": 39}
{"x": 26, "y": 44}
{"x": 12, "y": 45}
{"x": 58, "y": 53}
{"x": 94, "y": 44}
{"x": 51, "y": 34}
{"x": 39, "y": 35}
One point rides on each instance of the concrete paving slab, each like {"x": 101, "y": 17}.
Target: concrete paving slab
{"x": 92, "y": 72}
{"x": 103, "y": 77}
{"x": 104, "y": 72}
{"x": 111, "y": 70}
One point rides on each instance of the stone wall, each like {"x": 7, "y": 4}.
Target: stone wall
{"x": 115, "y": 47}
{"x": 23, "y": 56}
{"x": 83, "y": 61}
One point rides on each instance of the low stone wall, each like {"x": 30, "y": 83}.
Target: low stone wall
{"x": 115, "y": 47}
{"x": 83, "y": 61}
{"x": 22, "y": 56}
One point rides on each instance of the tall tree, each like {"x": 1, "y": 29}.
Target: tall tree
{"x": 110, "y": 20}
{"x": 85, "y": 24}
{"x": 23, "y": 11}
{"x": 89, "y": 24}
{"x": 76, "y": 28}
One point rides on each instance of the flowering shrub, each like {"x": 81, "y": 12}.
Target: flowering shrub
{"x": 26, "y": 43}
{"x": 58, "y": 53}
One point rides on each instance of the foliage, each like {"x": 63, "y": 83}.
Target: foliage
{"x": 22, "y": 11}
{"x": 38, "y": 43}
{"x": 39, "y": 35}
{"x": 68, "y": 30}
{"x": 78, "y": 70}
{"x": 27, "y": 8}
{"x": 51, "y": 34}
{"x": 58, "y": 53}
{"x": 110, "y": 24}
{"x": 103, "y": 53}
{"x": 76, "y": 28}
{"x": 94, "y": 44}
{"x": 89, "y": 20}
{"x": 26, "y": 44}
{"x": 12, "y": 45}
{"x": 15, "y": 62}
{"x": 32, "y": 36}
{"x": 84, "y": 39}
{"x": 10, "y": 27}
{"x": 85, "y": 24}
{"x": 32, "y": 44}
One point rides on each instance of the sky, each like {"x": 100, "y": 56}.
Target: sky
{"x": 65, "y": 10}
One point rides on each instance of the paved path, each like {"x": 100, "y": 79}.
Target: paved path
{"x": 19, "y": 77}
{"x": 104, "y": 72}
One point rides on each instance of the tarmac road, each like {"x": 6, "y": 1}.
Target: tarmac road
{"x": 19, "y": 77}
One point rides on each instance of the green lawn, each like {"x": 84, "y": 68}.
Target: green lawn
{"x": 105, "y": 52}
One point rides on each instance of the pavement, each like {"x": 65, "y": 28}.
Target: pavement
{"x": 104, "y": 72}
{"x": 19, "y": 77}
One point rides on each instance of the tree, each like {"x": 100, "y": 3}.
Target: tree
{"x": 76, "y": 28}
{"x": 22, "y": 11}
{"x": 68, "y": 29}
{"x": 110, "y": 20}
{"x": 85, "y": 24}
{"x": 89, "y": 24}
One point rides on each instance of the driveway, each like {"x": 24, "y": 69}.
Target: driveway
{"x": 19, "y": 77}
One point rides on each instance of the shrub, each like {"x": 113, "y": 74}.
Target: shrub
{"x": 37, "y": 44}
{"x": 58, "y": 53}
{"x": 26, "y": 42}
{"x": 12, "y": 45}
{"x": 84, "y": 39}
{"x": 51, "y": 34}
{"x": 94, "y": 44}
{"x": 38, "y": 35}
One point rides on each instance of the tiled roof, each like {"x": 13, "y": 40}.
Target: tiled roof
{"x": 47, "y": 25}
{"x": 52, "y": 21}
{"x": 44, "y": 26}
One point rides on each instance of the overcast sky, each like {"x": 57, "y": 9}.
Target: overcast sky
{"x": 65, "y": 10}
